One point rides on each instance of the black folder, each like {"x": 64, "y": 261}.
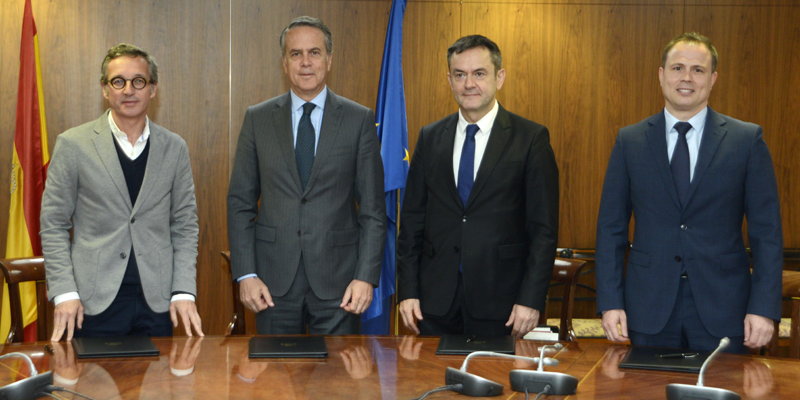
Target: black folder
{"x": 465, "y": 344}
{"x": 125, "y": 346}
{"x": 288, "y": 347}
{"x": 664, "y": 359}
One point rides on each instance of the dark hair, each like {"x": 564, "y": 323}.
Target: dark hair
{"x": 691, "y": 38}
{"x": 471, "y": 42}
{"x": 312, "y": 22}
{"x": 129, "y": 50}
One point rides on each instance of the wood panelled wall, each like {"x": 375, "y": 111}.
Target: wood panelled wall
{"x": 581, "y": 68}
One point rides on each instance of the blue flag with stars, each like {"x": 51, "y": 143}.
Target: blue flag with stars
{"x": 390, "y": 117}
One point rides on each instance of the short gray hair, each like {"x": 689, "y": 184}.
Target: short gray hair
{"x": 129, "y": 50}
{"x": 312, "y": 22}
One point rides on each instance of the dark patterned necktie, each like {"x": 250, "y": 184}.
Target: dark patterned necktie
{"x": 304, "y": 147}
{"x": 680, "y": 164}
{"x": 466, "y": 167}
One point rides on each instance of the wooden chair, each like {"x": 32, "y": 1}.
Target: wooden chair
{"x": 237, "y": 324}
{"x": 16, "y": 271}
{"x": 565, "y": 272}
{"x": 791, "y": 288}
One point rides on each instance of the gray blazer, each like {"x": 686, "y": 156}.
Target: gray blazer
{"x": 338, "y": 223}
{"x": 86, "y": 191}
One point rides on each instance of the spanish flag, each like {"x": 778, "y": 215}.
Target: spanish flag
{"x": 29, "y": 169}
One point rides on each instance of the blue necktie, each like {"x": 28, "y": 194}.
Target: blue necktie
{"x": 680, "y": 165}
{"x": 304, "y": 147}
{"x": 466, "y": 167}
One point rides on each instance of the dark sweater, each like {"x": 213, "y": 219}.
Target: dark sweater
{"x": 134, "y": 175}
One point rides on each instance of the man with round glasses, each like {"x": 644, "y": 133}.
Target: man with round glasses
{"x": 124, "y": 186}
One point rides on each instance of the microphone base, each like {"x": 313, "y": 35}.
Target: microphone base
{"x": 472, "y": 385}
{"x": 678, "y": 391}
{"x": 27, "y": 388}
{"x": 535, "y": 382}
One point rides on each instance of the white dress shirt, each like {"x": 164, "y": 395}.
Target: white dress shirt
{"x": 693, "y": 137}
{"x": 481, "y": 139}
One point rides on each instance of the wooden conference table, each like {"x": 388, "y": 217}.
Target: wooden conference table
{"x": 371, "y": 367}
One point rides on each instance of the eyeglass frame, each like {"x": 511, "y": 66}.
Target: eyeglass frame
{"x": 146, "y": 82}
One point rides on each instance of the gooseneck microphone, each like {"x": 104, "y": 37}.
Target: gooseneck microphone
{"x": 678, "y": 391}
{"x": 541, "y": 381}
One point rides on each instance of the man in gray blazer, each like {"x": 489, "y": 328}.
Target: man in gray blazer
{"x": 124, "y": 186}
{"x": 311, "y": 254}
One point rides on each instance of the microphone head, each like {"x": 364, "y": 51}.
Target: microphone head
{"x": 724, "y": 343}
{"x": 558, "y": 346}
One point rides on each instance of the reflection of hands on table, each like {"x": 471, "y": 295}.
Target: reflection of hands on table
{"x": 64, "y": 364}
{"x": 409, "y": 349}
{"x": 757, "y": 380}
{"x": 357, "y": 361}
{"x": 611, "y": 362}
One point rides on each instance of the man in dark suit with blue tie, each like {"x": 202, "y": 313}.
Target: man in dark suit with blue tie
{"x": 689, "y": 176}
{"x": 479, "y": 221}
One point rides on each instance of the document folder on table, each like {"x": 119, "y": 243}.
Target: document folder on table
{"x": 288, "y": 347}
{"x": 465, "y": 344}
{"x": 664, "y": 359}
{"x": 125, "y": 346}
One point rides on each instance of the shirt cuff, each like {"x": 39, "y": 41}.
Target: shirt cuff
{"x": 243, "y": 277}
{"x": 182, "y": 296}
{"x": 65, "y": 296}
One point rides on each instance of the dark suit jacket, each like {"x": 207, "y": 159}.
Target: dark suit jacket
{"x": 733, "y": 177}
{"x": 506, "y": 236}
{"x": 338, "y": 240}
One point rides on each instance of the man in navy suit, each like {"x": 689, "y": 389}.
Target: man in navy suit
{"x": 689, "y": 176}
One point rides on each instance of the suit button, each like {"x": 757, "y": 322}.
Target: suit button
{"x": 122, "y": 255}
{"x": 455, "y": 249}
{"x": 678, "y": 258}
{"x": 133, "y": 220}
{"x": 684, "y": 227}
{"x": 464, "y": 218}
{"x": 298, "y": 233}
{"x": 304, "y": 201}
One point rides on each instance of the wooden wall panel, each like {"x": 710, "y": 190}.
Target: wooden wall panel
{"x": 428, "y": 94}
{"x": 759, "y": 56}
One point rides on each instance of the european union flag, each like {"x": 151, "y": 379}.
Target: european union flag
{"x": 390, "y": 116}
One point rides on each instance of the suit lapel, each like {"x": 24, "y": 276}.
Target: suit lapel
{"x": 657, "y": 140}
{"x": 501, "y": 131}
{"x": 106, "y": 149}
{"x": 713, "y": 132}
{"x": 446, "y": 141}
{"x": 329, "y": 129}
{"x": 155, "y": 159}
{"x": 282, "y": 121}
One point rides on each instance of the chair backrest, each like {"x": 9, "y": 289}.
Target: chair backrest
{"x": 16, "y": 271}
{"x": 565, "y": 272}
{"x": 237, "y": 324}
{"x": 791, "y": 288}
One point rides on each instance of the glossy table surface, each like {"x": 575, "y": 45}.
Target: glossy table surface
{"x": 372, "y": 367}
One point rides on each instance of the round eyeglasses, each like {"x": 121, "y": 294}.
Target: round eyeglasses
{"x": 119, "y": 83}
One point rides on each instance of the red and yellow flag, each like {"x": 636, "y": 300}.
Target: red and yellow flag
{"x": 29, "y": 169}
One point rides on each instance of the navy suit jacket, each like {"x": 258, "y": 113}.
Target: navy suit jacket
{"x": 733, "y": 178}
{"x": 506, "y": 235}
